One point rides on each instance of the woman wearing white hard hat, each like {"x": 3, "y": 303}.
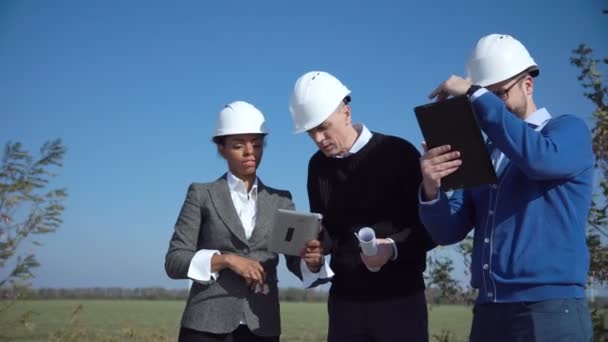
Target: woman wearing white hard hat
{"x": 220, "y": 240}
{"x": 530, "y": 258}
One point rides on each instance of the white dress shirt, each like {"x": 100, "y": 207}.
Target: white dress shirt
{"x": 245, "y": 204}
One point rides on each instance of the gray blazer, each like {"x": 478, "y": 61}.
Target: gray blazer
{"x": 208, "y": 220}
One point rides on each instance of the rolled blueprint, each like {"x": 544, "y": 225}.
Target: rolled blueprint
{"x": 367, "y": 242}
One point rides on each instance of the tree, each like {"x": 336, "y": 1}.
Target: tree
{"x": 595, "y": 89}
{"x": 465, "y": 249}
{"x": 440, "y": 276}
{"x": 27, "y": 206}
{"x": 597, "y": 92}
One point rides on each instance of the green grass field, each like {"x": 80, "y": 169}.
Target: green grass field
{"x": 135, "y": 320}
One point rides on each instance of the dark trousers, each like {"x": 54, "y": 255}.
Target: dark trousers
{"x": 241, "y": 334}
{"x": 402, "y": 319}
{"x": 566, "y": 320}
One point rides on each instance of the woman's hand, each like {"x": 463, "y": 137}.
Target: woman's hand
{"x": 251, "y": 270}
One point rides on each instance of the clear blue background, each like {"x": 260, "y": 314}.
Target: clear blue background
{"x": 133, "y": 88}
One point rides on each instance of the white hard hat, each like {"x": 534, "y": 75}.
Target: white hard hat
{"x": 240, "y": 117}
{"x": 316, "y": 95}
{"x": 498, "y": 57}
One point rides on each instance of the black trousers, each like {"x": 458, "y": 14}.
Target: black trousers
{"x": 241, "y": 334}
{"x": 402, "y": 319}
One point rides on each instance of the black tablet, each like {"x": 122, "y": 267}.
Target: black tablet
{"x": 453, "y": 122}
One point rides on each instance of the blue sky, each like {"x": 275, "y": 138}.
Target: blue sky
{"x": 133, "y": 89}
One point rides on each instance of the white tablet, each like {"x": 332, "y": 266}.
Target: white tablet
{"x": 291, "y": 231}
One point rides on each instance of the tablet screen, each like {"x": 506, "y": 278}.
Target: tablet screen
{"x": 453, "y": 122}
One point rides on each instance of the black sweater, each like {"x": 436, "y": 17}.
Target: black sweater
{"x": 377, "y": 184}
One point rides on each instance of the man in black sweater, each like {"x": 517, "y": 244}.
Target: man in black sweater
{"x": 362, "y": 179}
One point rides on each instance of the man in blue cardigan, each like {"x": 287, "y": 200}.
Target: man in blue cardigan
{"x": 530, "y": 259}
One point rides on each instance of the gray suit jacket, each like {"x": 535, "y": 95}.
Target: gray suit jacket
{"x": 208, "y": 220}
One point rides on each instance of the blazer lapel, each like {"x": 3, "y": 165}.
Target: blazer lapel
{"x": 220, "y": 196}
{"x": 264, "y": 215}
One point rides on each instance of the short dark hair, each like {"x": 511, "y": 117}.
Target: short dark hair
{"x": 346, "y": 99}
{"x": 221, "y": 139}
{"x": 533, "y": 71}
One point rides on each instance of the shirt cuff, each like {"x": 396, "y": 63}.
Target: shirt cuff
{"x": 431, "y": 202}
{"x": 309, "y": 277}
{"x": 478, "y": 93}
{"x": 200, "y": 266}
{"x": 395, "y": 251}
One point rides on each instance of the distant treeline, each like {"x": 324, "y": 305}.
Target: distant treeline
{"x": 291, "y": 294}
{"x": 148, "y": 293}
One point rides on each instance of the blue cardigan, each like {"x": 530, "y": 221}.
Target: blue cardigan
{"x": 529, "y": 241}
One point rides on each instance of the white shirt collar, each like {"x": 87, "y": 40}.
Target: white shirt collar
{"x": 237, "y": 185}
{"x": 539, "y": 118}
{"x": 363, "y": 137}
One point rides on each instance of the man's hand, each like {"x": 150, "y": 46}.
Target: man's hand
{"x": 384, "y": 254}
{"x": 435, "y": 164}
{"x": 312, "y": 254}
{"x": 251, "y": 270}
{"x": 453, "y": 86}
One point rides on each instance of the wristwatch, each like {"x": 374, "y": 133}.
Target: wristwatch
{"x": 472, "y": 89}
